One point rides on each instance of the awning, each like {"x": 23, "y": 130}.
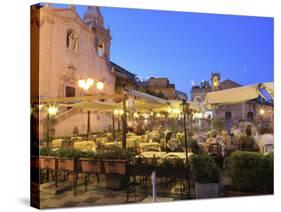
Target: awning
{"x": 147, "y": 97}
{"x": 43, "y": 100}
{"x": 235, "y": 95}
{"x": 269, "y": 87}
{"x": 94, "y": 105}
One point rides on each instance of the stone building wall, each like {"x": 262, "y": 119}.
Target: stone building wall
{"x": 61, "y": 65}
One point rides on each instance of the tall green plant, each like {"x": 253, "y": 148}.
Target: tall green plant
{"x": 217, "y": 124}
{"x": 204, "y": 169}
{"x": 252, "y": 172}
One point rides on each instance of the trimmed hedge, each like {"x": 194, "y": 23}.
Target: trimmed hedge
{"x": 204, "y": 169}
{"x": 252, "y": 172}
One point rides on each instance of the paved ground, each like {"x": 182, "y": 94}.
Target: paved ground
{"x": 96, "y": 195}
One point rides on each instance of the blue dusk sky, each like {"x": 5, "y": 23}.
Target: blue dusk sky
{"x": 187, "y": 47}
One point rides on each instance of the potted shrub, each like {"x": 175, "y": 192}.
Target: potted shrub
{"x": 47, "y": 159}
{"x": 217, "y": 124}
{"x": 67, "y": 159}
{"x": 251, "y": 174}
{"x": 206, "y": 175}
{"x": 115, "y": 162}
{"x": 90, "y": 162}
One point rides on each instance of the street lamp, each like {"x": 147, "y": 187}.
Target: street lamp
{"x": 100, "y": 85}
{"x": 86, "y": 84}
{"x": 185, "y": 110}
{"x": 51, "y": 111}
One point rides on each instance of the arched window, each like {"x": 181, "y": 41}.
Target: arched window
{"x": 197, "y": 98}
{"x": 100, "y": 49}
{"x": 228, "y": 116}
{"x": 71, "y": 39}
{"x": 250, "y": 116}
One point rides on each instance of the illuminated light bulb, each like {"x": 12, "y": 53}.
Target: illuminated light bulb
{"x": 41, "y": 106}
{"x": 216, "y": 83}
{"x": 52, "y": 110}
{"x": 90, "y": 82}
{"x": 262, "y": 111}
{"x": 121, "y": 112}
{"x": 100, "y": 85}
{"x": 158, "y": 115}
{"x": 115, "y": 112}
{"x": 169, "y": 110}
{"x": 82, "y": 83}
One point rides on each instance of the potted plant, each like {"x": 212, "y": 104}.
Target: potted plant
{"x": 90, "y": 162}
{"x": 206, "y": 175}
{"x": 217, "y": 124}
{"x": 251, "y": 173}
{"x": 115, "y": 160}
{"x": 47, "y": 159}
{"x": 67, "y": 159}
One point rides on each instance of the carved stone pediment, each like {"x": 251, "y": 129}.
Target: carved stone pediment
{"x": 70, "y": 75}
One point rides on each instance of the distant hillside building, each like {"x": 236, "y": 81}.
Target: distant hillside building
{"x": 162, "y": 85}
{"x": 199, "y": 92}
{"x": 123, "y": 78}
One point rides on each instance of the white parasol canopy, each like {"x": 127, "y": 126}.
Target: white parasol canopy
{"x": 236, "y": 95}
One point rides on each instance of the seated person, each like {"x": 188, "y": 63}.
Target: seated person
{"x": 235, "y": 131}
{"x": 266, "y": 140}
{"x": 172, "y": 145}
{"x": 247, "y": 142}
{"x": 191, "y": 143}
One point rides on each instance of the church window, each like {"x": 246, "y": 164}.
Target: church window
{"x": 228, "y": 115}
{"x": 71, "y": 40}
{"x": 100, "y": 49}
{"x": 197, "y": 99}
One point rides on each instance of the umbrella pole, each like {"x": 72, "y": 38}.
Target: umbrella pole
{"x": 124, "y": 122}
{"x": 88, "y": 122}
{"x": 113, "y": 127}
{"x": 185, "y": 142}
{"x": 48, "y": 128}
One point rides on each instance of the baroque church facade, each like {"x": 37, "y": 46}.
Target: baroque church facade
{"x": 70, "y": 49}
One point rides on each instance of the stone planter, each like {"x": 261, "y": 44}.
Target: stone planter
{"x": 116, "y": 181}
{"x": 47, "y": 162}
{"x": 207, "y": 190}
{"x": 115, "y": 166}
{"x": 90, "y": 165}
{"x": 240, "y": 194}
{"x": 65, "y": 164}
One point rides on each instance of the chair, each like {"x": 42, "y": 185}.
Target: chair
{"x": 267, "y": 148}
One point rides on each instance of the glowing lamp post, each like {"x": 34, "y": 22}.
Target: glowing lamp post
{"x": 100, "y": 85}
{"x": 51, "y": 111}
{"x": 86, "y": 84}
{"x": 186, "y": 111}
